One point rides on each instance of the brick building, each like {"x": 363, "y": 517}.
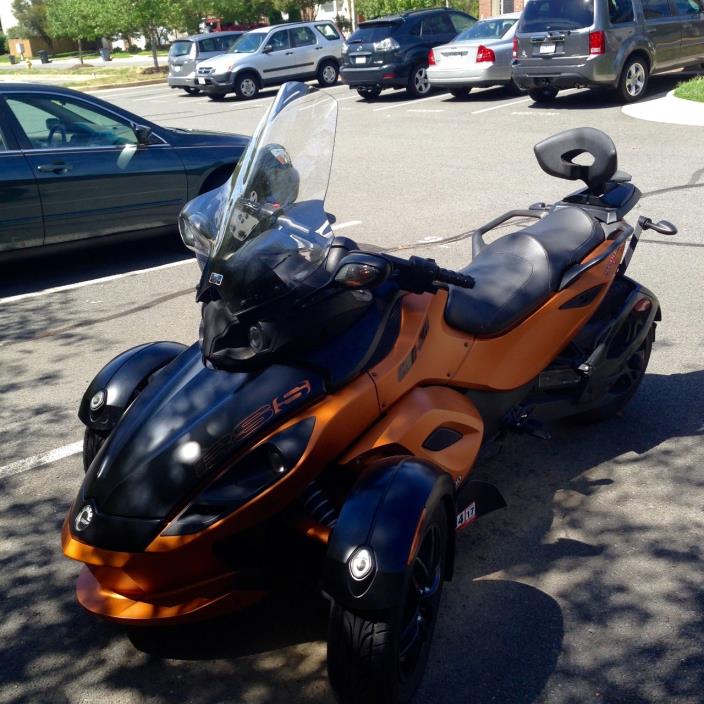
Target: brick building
{"x": 488, "y": 8}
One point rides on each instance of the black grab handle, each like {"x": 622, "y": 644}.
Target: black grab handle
{"x": 664, "y": 227}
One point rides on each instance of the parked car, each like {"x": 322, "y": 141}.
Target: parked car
{"x": 479, "y": 56}
{"x": 73, "y": 167}
{"x": 611, "y": 43}
{"x": 186, "y": 54}
{"x": 269, "y": 56}
{"x": 392, "y": 51}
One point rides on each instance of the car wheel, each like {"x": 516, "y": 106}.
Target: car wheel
{"x": 246, "y": 87}
{"x": 633, "y": 81}
{"x": 542, "y": 95}
{"x": 327, "y": 73}
{"x": 368, "y": 92}
{"x": 460, "y": 92}
{"x": 418, "y": 83}
{"x": 514, "y": 89}
{"x": 381, "y": 659}
{"x": 192, "y": 91}
{"x": 216, "y": 96}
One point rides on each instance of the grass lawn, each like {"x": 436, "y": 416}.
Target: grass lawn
{"x": 87, "y": 76}
{"x": 692, "y": 89}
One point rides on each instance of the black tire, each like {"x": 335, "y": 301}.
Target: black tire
{"x": 369, "y": 92}
{"x": 418, "y": 83}
{"x": 543, "y": 95}
{"x": 246, "y": 86}
{"x": 328, "y": 71}
{"x": 192, "y": 91}
{"x": 460, "y": 92}
{"x": 625, "y": 387}
{"x": 92, "y": 442}
{"x": 633, "y": 81}
{"x": 514, "y": 89}
{"x": 382, "y": 661}
{"x": 217, "y": 97}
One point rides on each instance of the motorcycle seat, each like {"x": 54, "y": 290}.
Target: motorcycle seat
{"x": 517, "y": 273}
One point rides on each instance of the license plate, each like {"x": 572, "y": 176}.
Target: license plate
{"x": 359, "y": 59}
{"x": 202, "y": 81}
{"x": 547, "y": 48}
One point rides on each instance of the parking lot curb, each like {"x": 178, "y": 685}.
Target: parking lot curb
{"x": 669, "y": 109}
{"x": 150, "y": 82}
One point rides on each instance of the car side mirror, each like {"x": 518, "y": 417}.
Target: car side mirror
{"x": 267, "y": 49}
{"x": 143, "y": 133}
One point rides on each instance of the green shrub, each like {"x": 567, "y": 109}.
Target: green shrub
{"x": 691, "y": 90}
{"x": 3, "y": 43}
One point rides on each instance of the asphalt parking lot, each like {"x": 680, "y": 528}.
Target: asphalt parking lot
{"x": 587, "y": 588}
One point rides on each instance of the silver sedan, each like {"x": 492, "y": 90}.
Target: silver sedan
{"x": 479, "y": 56}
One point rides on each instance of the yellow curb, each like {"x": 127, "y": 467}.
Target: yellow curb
{"x": 151, "y": 82}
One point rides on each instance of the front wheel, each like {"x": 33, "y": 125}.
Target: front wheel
{"x": 191, "y": 91}
{"x": 327, "y": 73}
{"x": 246, "y": 87}
{"x": 382, "y": 661}
{"x": 418, "y": 83}
{"x": 633, "y": 80}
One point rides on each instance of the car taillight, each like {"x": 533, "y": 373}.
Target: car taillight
{"x": 431, "y": 58}
{"x": 597, "y": 43}
{"x": 514, "y": 51}
{"x": 485, "y": 54}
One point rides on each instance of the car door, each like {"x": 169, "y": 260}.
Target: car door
{"x": 20, "y": 208}
{"x": 277, "y": 57}
{"x": 664, "y": 29}
{"x": 94, "y": 176}
{"x": 691, "y": 14}
{"x": 305, "y": 50}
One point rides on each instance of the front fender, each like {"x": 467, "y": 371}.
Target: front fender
{"x": 120, "y": 378}
{"x": 382, "y": 513}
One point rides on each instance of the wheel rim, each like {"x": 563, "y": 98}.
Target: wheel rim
{"x": 634, "y": 369}
{"x": 248, "y": 87}
{"x": 635, "y": 79}
{"x": 420, "y": 608}
{"x": 421, "y": 81}
{"x": 329, "y": 74}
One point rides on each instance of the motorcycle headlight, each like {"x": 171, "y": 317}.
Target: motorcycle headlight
{"x": 255, "y": 472}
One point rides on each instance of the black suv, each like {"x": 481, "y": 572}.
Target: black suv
{"x": 392, "y": 52}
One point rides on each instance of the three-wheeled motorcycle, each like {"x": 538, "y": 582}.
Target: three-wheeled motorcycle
{"x": 327, "y": 421}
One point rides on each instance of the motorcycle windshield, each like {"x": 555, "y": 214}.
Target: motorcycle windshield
{"x": 274, "y": 234}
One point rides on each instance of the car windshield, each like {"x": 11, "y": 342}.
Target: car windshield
{"x": 486, "y": 29}
{"x": 273, "y": 233}
{"x": 180, "y": 48}
{"x": 248, "y": 43}
{"x": 372, "y": 32}
{"x": 547, "y": 15}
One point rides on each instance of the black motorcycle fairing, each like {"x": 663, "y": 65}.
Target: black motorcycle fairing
{"x": 182, "y": 428}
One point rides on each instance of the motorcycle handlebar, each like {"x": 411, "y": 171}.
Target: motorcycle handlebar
{"x": 445, "y": 276}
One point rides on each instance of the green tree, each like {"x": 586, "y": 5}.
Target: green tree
{"x": 31, "y": 16}
{"x": 374, "y": 8}
{"x": 149, "y": 16}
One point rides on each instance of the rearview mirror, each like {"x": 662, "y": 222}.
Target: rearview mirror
{"x": 267, "y": 49}
{"x": 143, "y": 133}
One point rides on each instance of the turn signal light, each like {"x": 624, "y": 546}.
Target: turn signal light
{"x": 643, "y": 305}
{"x": 485, "y": 54}
{"x": 597, "y": 43}
{"x": 431, "y": 58}
{"x": 515, "y": 48}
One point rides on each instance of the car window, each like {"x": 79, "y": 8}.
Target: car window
{"x": 3, "y": 144}
{"x": 414, "y": 29}
{"x": 435, "y": 24}
{"x": 60, "y": 123}
{"x": 487, "y": 29}
{"x": 688, "y": 7}
{"x": 180, "y": 48}
{"x": 302, "y": 36}
{"x": 546, "y": 15}
{"x": 248, "y": 43}
{"x": 620, "y": 11}
{"x": 368, "y": 33}
{"x": 208, "y": 45}
{"x": 653, "y": 9}
{"x": 460, "y": 22}
{"x": 224, "y": 43}
{"x": 279, "y": 40}
{"x": 328, "y": 31}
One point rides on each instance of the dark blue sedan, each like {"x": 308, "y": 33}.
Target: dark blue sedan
{"x": 74, "y": 167}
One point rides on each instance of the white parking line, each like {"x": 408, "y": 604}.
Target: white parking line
{"x": 28, "y": 463}
{"x": 503, "y": 105}
{"x": 404, "y": 104}
{"x": 426, "y": 110}
{"x": 81, "y": 284}
{"x": 345, "y": 225}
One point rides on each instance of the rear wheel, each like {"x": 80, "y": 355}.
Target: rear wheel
{"x": 382, "y": 661}
{"x": 460, "y": 92}
{"x": 327, "y": 73}
{"x": 634, "y": 80}
{"x": 191, "y": 91}
{"x": 627, "y": 383}
{"x": 418, "y": 83}
{"x": 514, "y": 89}
{"x": 246, "y": 87}
{"x": 369, "y": 92}
{"x": 543, "y": 95}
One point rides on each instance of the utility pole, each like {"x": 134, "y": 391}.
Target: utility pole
{"x": 353, "y": 15}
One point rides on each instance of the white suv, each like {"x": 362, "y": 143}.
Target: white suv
{"x": 272, "y": 55}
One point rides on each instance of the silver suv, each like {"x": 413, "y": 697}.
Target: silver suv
{"x": 612, "y": 43}
{"x": 272, "y": 55}
{"x": 186, "y": 54}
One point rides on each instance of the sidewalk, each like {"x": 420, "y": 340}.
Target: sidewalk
{"x": 668, "y": 109}
{"x": 93, "y": 60}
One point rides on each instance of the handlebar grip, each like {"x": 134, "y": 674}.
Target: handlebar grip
{"x": 454, "y": 278}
